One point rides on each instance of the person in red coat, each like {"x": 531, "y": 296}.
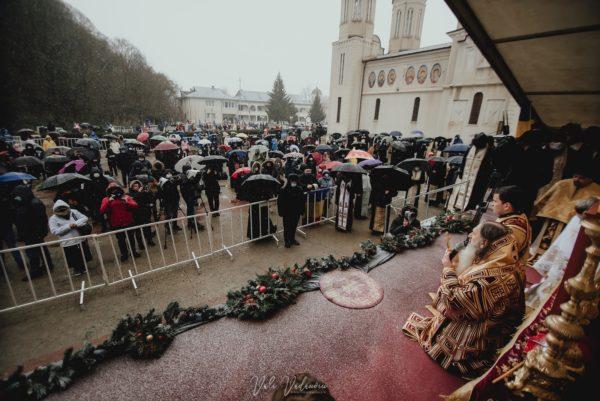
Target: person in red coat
{"x": 119, "y": 208}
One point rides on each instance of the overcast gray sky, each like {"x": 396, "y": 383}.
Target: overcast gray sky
{"x": 217, "y": 42}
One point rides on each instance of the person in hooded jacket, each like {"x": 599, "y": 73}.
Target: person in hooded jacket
{"x": 125, "y": 159}
{"x": 32, "y": 226}
{"x": 140, "y": 166}
{"x": 119, "y": 208}
{"x": 142, "y": 215}
{"x": 65, "y": 223}
{"x": 290, "y": 206}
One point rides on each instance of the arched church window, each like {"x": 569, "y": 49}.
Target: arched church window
{"x": 398, "y": 24}
{"x": 357, "y": 10}
{"x": 408, "y": 25}
{"x": 476, "y": 108}
{"x": 415, "y": 113}
{"x": 377, "y": 105}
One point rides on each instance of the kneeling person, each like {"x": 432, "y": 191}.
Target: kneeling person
{"x": 477, "y": 310}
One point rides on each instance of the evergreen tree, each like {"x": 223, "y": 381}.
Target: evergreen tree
{"x": 316, "y": 110}
{"x": 280, "y": 107}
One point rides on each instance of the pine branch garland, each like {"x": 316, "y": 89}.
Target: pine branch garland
{"x": 149, "y": 336}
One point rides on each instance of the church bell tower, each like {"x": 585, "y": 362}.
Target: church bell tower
{"x": 356, "y": 43}
{"x": 407, "y": 25}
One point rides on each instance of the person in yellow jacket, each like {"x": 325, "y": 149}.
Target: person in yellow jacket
{"x": 48, "y": 143}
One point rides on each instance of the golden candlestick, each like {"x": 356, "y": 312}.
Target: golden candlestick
{"x": 549, "y": 370}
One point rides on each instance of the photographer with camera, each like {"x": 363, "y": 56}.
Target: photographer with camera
{"x": 119, "y": 208}
{"x": 145, "y": 200}
{"x": 190, "y": 189}
{"x": 169, "y": 194}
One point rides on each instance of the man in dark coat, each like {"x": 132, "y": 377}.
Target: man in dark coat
{"x": 145, "y": 200}
{"x": 290, "y": 206}
{"x": 32, "y": 226}
{"x": 212, "y": 188}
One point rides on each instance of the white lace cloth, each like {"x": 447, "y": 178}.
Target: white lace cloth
{"x": 551, "y": 265}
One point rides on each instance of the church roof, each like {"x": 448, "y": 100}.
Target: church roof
{"x": 414, "y": 51}
{"x": 208, "y": 93}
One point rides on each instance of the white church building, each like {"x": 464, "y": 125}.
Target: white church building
{"x": 442, "y": 90}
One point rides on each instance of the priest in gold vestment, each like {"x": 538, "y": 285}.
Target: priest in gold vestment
{"x": 477, "y": 306}
{"x": 556, "y": 207}
{"x": 508, "y": 204}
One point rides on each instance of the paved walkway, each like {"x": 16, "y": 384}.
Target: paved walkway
{"x": 361, "y": 354}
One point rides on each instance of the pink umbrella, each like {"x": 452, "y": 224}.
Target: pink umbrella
{"x": 358, "y": 154}
{"x": 166, "y": 145}
{"x": 143, "y": 137}
{"x": 318, "y": 157}
{"x": 74, "y": 164}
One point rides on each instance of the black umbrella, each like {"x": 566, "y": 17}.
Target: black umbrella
{"x": 276, "y": 154}
{"x": 63, "y": 181}
{"x": 455, "y": 160}
{"x": 27, "y": 161}
{"x": 396, "y": 133}
{"x": 349, "y": 168}
{"x": 341, "y": 153}
{"x": 88, "y": 143}
{"x": 457, "y": 148}
{"x": 259, "y": 187}
{"x": 410, "y": 164}
{"x": 336, "y": 135}
{"x": 324, "y": 148}
{"x": 25, "y": 131}
{"x": 308, "y": 147}
{"x": 75, "y": 153}
{"x": 110, "y": 136}
{"x": 396, "y": 176}
{"x": 213, "y": 159}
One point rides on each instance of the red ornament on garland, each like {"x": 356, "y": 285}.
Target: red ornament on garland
{"x": 262, "y": 289}
{"x": 274, "y": 276}
{"x": 308, "y": 273}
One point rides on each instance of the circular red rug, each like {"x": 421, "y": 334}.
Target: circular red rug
{"x": 351, "y": 289}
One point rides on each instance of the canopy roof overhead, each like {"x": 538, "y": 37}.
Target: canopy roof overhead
{"x": 547, "y": 53}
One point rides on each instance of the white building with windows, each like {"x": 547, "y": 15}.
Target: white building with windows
{"x": 214, "y": 105}
{"x": 445, "y": 90}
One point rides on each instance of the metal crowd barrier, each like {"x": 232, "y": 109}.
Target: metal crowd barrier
{"x": 178, "y": 241}
{"x": 394, "y": 209}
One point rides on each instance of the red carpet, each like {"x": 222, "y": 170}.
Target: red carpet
{"x": 362, "y": 355}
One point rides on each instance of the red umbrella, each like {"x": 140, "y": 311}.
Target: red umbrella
{"x": 166, "y": 145}
{"x": 358, "y": 154}
{"x": 143, "y": 137}
{"x": 318, "y": 157}
{"x": 329, "y": 165}
{"x": 241, "y": 171}
{"x": 226, "y": 148}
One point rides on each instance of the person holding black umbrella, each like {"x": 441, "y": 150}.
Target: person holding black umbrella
{"x": 212, "y": 188}
{"x": 290, "y": 206}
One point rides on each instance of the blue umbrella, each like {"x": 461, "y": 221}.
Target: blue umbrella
{"x": 370, "y": 163}
{"x": 455, "y": 160}
{"x": 237, "y": 151}
{"x": 15, "y": 176}
{"x": 457, "y": 148}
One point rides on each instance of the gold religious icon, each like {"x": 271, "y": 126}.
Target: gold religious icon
{"x": 381, "y": 78}
{"x": 372, "y": 78}
{"x": 409, "y": 75}
{"x": 422, "y": 74}
{"x": 436, "y": 73}
{"x": 391, "y": 77}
